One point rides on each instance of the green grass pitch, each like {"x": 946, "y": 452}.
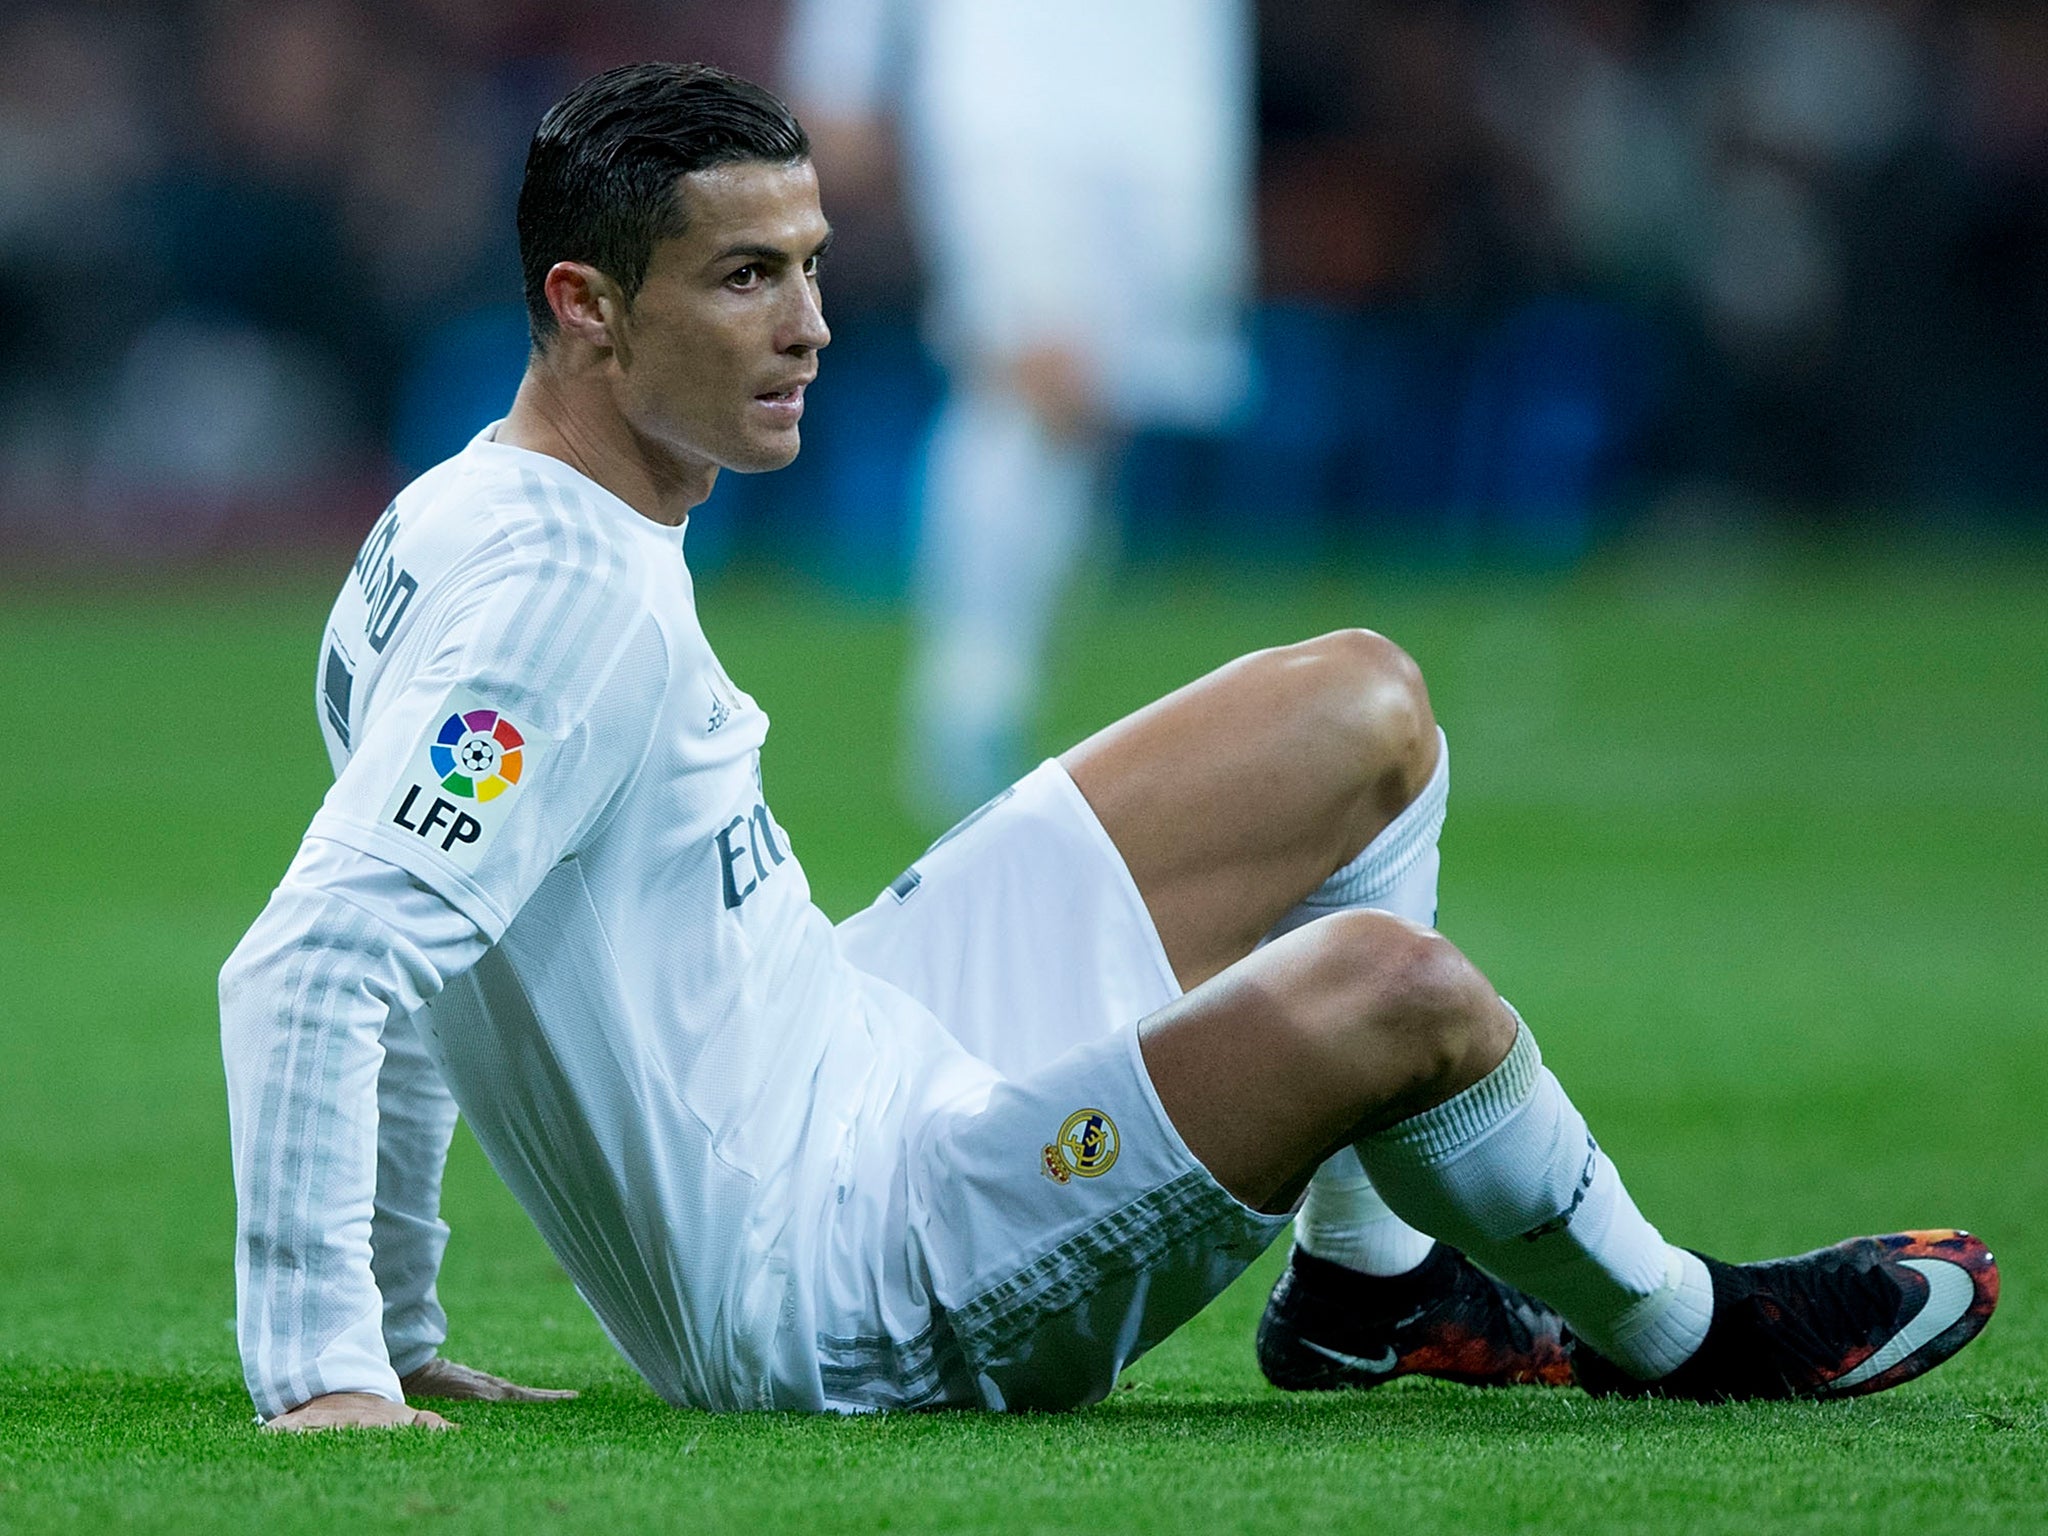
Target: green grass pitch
{"x": 1764, "y": 862}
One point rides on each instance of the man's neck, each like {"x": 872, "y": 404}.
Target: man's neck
{"x": 574, "y": 420}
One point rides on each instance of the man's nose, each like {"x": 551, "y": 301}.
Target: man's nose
{"x": 807, "y": 328}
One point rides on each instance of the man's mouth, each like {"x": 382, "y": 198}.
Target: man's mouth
{"x": 785, "y": 407}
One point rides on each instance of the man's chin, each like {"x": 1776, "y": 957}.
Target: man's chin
{"x": 760, "y": 457}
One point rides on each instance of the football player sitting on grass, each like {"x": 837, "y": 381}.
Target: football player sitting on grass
{"x": 987, "y": 1141}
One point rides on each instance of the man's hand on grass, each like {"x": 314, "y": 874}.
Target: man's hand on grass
{"x": 437, "y": 1378}
{"x": 354, "y": 1410}
{"x": 445, "y": 1378}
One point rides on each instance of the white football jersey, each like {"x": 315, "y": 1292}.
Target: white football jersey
{"x": 644, "y": 1018}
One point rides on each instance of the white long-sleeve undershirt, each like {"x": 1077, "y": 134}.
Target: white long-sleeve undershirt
{"x": 339, "y": 1125}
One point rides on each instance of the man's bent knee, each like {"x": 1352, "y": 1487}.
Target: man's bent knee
{"x": 1406, "y": 1020}
{"x": 1363, "y": 701}
{"x": 1335, "y": 1030}
{"x": 1377, "y": 701}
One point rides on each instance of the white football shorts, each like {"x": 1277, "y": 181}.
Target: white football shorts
{"x": 1025, "y": 1240}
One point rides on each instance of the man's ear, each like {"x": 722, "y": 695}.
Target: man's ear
{"x": 587, "y": 304}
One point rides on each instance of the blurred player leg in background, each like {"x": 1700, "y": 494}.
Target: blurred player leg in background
{"x": 1005, "y": 512}
{"x": 1079, "y": 175}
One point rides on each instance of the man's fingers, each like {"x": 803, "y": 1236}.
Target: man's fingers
{"x": 449, "y": 1378}
{"x": 354, "y": 1410}
{"x": 512, "y": 1392}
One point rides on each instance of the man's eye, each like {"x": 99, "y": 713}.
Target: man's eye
{"x": 812, "y": 264}
{"x": 745, "y": 277}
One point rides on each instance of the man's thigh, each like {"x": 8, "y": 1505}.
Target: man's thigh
{"x": 1021, "y": 930}
{"x": 1235, "y": 797}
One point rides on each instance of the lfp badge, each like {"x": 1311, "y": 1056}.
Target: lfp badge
{"x": 467, "y": 768}
{"x": 478, "y": 754}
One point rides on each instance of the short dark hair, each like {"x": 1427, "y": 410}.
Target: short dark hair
{"x": 600, "y": 184}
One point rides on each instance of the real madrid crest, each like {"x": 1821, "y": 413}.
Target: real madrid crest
{"x": 1086, "y": 1145}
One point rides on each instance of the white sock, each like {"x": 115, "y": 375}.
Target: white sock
{"x": 1343, "y": 1219}
{"x": 1507, "y": 1171}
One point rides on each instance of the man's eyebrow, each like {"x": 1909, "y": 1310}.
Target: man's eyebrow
{"x": 773, "y": 253}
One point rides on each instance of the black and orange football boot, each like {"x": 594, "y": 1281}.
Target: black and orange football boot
{"x": 1862, "y": 1316}
{"x": 1327, "y": 1327}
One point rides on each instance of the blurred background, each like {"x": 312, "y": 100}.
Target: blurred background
{"x": 1528, "y": 276}
{"x": 1668, "y": 379}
